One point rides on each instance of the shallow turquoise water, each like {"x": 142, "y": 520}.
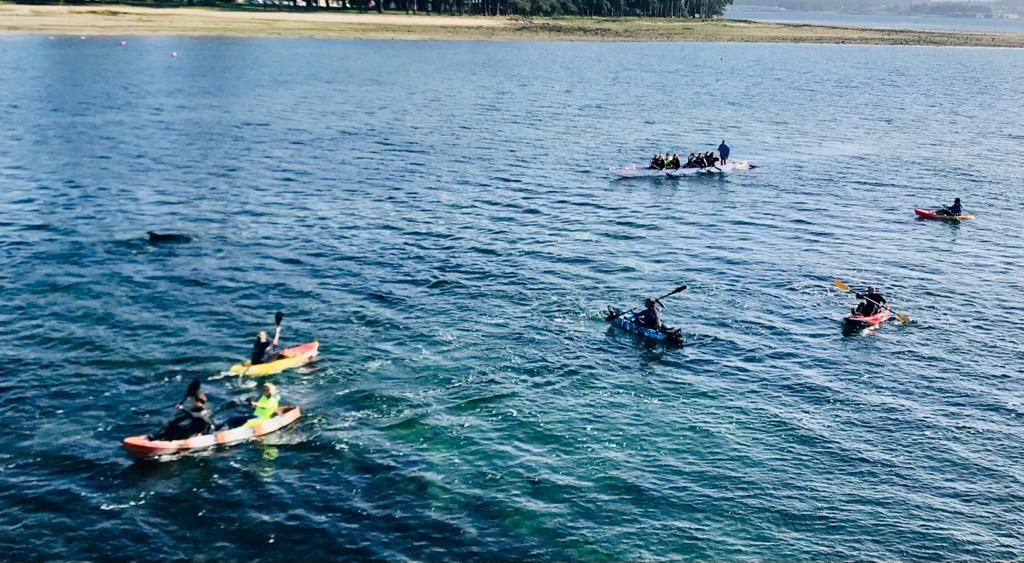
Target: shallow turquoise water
{"x": 440, "y": 217}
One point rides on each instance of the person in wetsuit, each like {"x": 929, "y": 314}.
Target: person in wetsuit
{"x": 723, "y": 151}
{"x": 650, "y": 317}
{"x": 192, "y": 421}
{"x": 871, "y": 303}
{"x": 953, "y": 210}
{"x": 262, "y": 348}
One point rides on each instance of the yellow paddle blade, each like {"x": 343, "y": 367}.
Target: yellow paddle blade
{"x": 842, "y": 286}
{"x": 903, "y": 318}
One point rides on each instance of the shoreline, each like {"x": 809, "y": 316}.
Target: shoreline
{"x": 121, "y": 20}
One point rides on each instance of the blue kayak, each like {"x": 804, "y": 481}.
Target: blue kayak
{"x": 624, "y": 320}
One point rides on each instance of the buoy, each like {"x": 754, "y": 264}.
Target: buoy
{"x": 123, "y": 43}
{"x": 174, "y": 53}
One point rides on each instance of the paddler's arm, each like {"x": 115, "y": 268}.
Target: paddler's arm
{"x": 277, "y": 336}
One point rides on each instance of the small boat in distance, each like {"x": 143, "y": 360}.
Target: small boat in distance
{"x": 634, "y": 171}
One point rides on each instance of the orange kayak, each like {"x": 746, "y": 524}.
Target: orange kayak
{"x": 927, "y": 214}
{"x": 142, "y": 447}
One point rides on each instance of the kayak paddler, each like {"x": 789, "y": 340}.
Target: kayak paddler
{"x": 191, "y": 421}
{"x": 953, "y": 210}
{"x": 262, "y": 349}
{"x": 650, "y": 317}
{"x": 723, "y": 151}
{"x": 872, "y": 302}
{"x": 263, "y": 409}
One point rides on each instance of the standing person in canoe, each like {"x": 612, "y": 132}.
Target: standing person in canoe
{"x": 263, "y": 409}
{"x": 191, "y": 421}
{"x": 263, "y": 349}
{"x": 954, "y": 210}
{"x": 650, "y": 317}
{"x": 872, "y": 302}
{"x": 723, "y": 151}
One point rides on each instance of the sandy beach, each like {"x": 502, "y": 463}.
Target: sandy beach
{"x": 115, "y": 20}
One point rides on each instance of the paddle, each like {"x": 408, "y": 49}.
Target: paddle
{"x": 846, "y": 289}
{"x": 612, "y": 315}
{"x": 193, "y": 388}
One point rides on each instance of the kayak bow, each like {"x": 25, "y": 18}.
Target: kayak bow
{"x": 861, "y": 321}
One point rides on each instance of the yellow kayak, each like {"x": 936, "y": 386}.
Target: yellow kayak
{"x": 288, "y": 358}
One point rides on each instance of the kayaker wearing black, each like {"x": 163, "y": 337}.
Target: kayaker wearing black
{"x": 951, "y": 211}
{"x": 723, "y": 151}
{"x": 191, "y": 421}
{"x": 263, "y": 409}
{"x": 262, "y": 346}
{"x": 872, "y": 303}
{"x": 650, "y": 317}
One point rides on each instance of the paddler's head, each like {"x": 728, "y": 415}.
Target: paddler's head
{"x": 263, "y": 335}
{"x": 871, "y": 289}
{"x": 957, "y": 200}
{"x": 269, "y": 390}
{"x": 649, "y": 303}
{"x": 199, "y": 398}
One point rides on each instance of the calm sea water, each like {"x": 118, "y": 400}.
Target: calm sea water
{"x": 922, "y": 22}
{"x": 440, "y": 217}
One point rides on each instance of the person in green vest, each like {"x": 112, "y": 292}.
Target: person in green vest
{"x": 263, "y": 409}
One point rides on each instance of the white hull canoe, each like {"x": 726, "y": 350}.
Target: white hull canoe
{"x": 141, "y": 447}
{"x": 634, "y": 171}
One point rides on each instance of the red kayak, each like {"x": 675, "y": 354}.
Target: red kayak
{"x": 926, "y": 214}
{"x": 860, "y": 321}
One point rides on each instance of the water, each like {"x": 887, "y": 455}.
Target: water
{"x": 878, "y": 21}
{"x": 439, "y": 216}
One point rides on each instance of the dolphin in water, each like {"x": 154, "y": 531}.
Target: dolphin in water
{"x": 157, "y": 238}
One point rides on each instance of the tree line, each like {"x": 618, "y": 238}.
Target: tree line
{"x": 702, "y": 9}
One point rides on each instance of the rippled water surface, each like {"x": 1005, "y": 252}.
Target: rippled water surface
{"x": 440, "y": 217}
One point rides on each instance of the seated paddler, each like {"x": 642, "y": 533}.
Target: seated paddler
{"x": 650, "y": 317}
{"x": 262, "y": 409}
{"x": 871, "y": 302}
{"x": 263, "y": 349}
{"x": 190, "y": 421}
{"x": 953, "y": 210}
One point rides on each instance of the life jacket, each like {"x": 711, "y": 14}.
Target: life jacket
{"x": 266, "y": 407}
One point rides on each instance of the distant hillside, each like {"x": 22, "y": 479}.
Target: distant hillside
{"x": 854, "y": 6}
{"x": 955, "y": 8}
